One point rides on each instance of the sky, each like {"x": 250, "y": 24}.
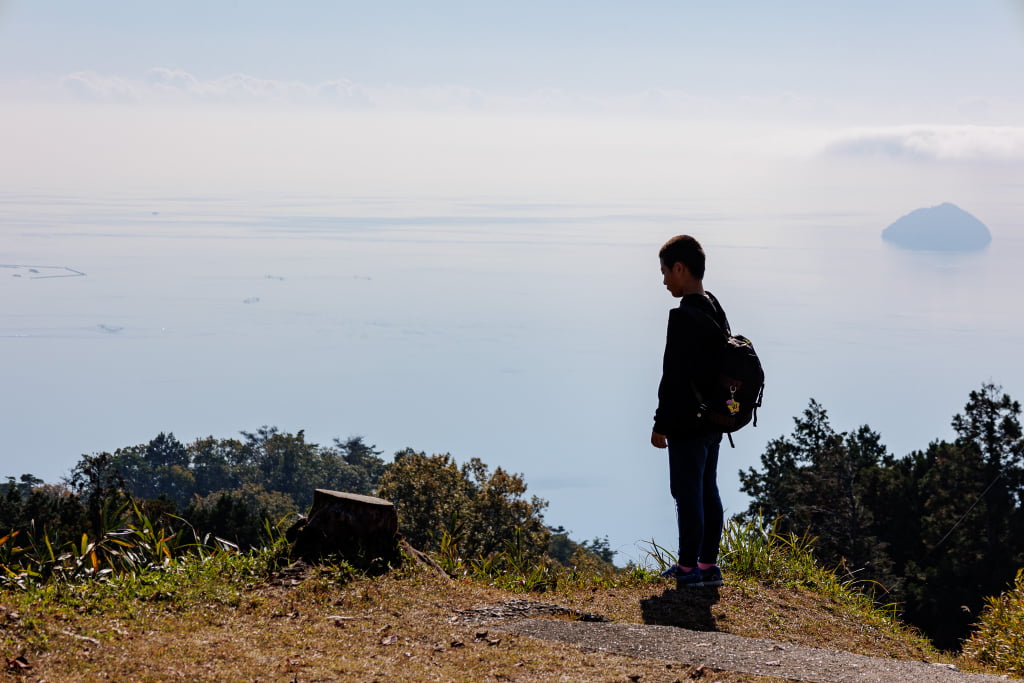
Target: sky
{"x": 411, "y": 98}
{"x": 399, "y": 109}
{"x": 822, "y": 51}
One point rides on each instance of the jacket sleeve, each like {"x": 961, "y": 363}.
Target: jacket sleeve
{"x": 676, "y": 403}
{"x": 692, "y": 355}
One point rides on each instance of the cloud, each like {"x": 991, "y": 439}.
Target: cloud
{"x": 165, "y": 86}
{"x": 88, "y": 85}
{"x": 932, "y": 143}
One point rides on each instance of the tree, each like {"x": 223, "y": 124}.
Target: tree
{"x": 241, "y": 515}
{"x": 365, "y": 467}
{"x": 972, "y": 523}
{"x": 939, "y": 528}
{"x": 31, "y": 506}
{"x": 822, "y": 482}
{"x": 498, "y": 510}
{"x": 289, "y": 464}
{"x": 219, "y": 465}
{"x": 97, "y": 481}
{"x": 430, "y": 494}
{"x": 569, "y": 553}
{"x": 480, "y": 511}
{"x": 990, "y": 426}
{"x": 158, "y": 469}
{"x": 226, "y": 486}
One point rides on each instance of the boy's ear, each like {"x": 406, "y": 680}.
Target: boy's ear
{"x": 679, "y": 268}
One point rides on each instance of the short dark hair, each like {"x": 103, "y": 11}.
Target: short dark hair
{"x": 686, "y": 250}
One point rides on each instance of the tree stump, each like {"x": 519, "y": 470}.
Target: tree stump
{"x": 362, "y": 530}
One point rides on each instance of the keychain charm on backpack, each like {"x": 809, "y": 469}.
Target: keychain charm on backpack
{"x": 732, "y": 404}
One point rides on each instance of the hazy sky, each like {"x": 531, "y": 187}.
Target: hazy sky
{"x": 881, "y": 56}
{"x": 566, "y": 98}
{"x": 772, "y": 117}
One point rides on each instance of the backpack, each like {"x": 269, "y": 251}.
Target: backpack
{"x": 732, "y": 400}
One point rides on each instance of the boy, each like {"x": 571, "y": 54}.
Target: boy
{"x": 692, "y": 350}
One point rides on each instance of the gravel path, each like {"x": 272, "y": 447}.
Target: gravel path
{"x": 727, "y": 652}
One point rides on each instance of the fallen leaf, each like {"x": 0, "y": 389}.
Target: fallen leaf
{"x": 389, "y": 640}
{"x": 19, "y": 663}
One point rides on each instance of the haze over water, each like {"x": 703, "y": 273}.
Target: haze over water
{"x": 526, "y": 335}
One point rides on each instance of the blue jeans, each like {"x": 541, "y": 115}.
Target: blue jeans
{"x": 693, "y": 477}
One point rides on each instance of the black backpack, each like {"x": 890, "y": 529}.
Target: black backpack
{"x": 732, "y": 400}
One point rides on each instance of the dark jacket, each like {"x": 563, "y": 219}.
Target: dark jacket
{"x": 693, "y": 348}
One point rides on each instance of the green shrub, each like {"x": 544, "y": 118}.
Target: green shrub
{"x": 999, "y": 639}
{"x": 241, "y": 515}
{"x": 463, "y": 512}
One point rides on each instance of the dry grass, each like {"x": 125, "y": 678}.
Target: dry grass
{"x": 401, "y": 627}
{"x": 409, "y": 625}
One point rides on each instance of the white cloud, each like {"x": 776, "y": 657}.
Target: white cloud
{"x": 176, "y": 87}
{"x": 90, "y": 86}
{"x": 932, "y": 143}
{"x": 165, "y": 86}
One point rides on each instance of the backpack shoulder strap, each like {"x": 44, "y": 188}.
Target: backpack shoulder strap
{"x": 724, "y": 319}
{"x": 713, "y": 313}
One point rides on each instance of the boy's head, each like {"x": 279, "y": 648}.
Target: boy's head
{"x": 685, "y": 250}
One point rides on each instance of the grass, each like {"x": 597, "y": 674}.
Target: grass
{"x": 999, "y": 640}
{"x": 210, "y": 613}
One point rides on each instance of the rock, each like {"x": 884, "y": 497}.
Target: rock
{"x": 945, "y": 227}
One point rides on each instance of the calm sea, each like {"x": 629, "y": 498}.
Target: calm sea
{"x": 529, "y": 336}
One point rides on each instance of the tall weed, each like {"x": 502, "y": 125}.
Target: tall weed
{"x": 999, "y": 639}
{"x": 129, "y": 542}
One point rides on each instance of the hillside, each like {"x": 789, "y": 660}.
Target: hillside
{"x": 225, "y": 618}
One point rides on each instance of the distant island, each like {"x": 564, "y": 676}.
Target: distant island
{"x": 945, "y": 227}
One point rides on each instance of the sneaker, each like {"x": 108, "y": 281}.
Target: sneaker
{"x": 712, "y": 576}
{"x": 683, "y": 577}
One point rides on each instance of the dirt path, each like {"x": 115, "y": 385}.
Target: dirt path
{"x": 727, "y": 652}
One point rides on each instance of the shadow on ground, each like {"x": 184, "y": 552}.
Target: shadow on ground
{"x": 687, "y": 608}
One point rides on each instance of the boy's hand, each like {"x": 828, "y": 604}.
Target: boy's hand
{"x": 659, "y": 440}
